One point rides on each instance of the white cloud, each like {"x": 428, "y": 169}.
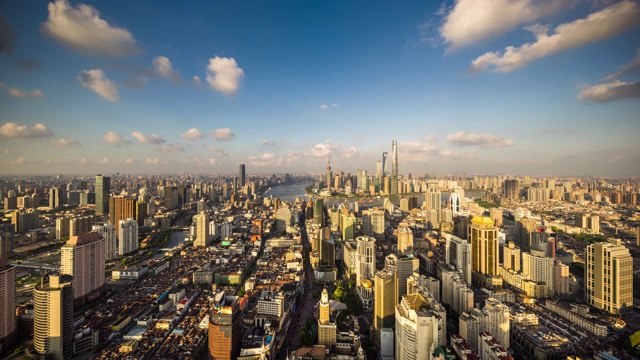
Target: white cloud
{"x": 192, "y": 134}
{"x": 611, "y": 91}
{"x": 414, "y": 147}
{"x": 172, "y": 147}
{"x": 10, "y": 152}
{"x": 104, "y": 161}
{"x": 349, "y": 152}
{"x": 129, "y": 161}
{"x": 471, "y": 21}
{"x": 321, "y": 150}
{"x": 148, "y": 139}
{"x": 83, "y": 161}
{"x": 224, "y": 74}
{"x": 163, "y": 68}
{"x": 219, "y": 151}
{"x": 600, "y": 25}
{"x": 21, "y": 160}
{"x": 212, "y": 161}
{"x": 632, "y": 67}
{"x": 265, "y": 159}
{"x": 223, "y": 134}
{"x": 13, "y": 130}
{"x": 115, "y": 138}
{"x": 97, "y": 81}
{"x": 482, "y": 140}
{"x": 324, "y": 107}
{"x": 33, "y": 94}
{"x": 64, "y": 142}
{"x": 81, "y": 29}
{"x": 153, "y": 161}
{"x": 335, "y": 105}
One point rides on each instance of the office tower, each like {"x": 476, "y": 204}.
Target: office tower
{"x": 540, "y": 270}
{"x": 365, "y": 258}
{"x": 511, "y": 189}
{"x": 593, "y": 224}
{"x": 420, "y": 327}
{"x": 326, "y": 329}
{"x": 394, "y": 154}
{"x": 121, "y": 208}
{"x": 242, "y": 176}
{"x": 348, "y": 226}
{"x": 83, "y": 257}
{"x": 385, "y": 301}
{"x": 108, "y": 232}
{"x": 170, "y": 197}
{"x": 141, "y": 212}
{"x": 433, "y": 201}
{"x": 329, "y": 174}
{"x": 318, "y": 211}
{"x": 423, "y": 284}
{"x": 404, "y": 266}
{"x": 6, "y": 244}
{"x": 57, "y": 197}
{"x": 458, "y": 255}
{"x": 53, "y": 317}
{"x": 25, "y": 220}
{"x": 511, "y": 257}
{"x": 609, "y": 277}
{"x": 484, "y": 246}
{"x": 7, "y": 304}
{"x": 373, "y": 223}
{"x": 379, "y": 173}
{"x": 455, "y": 203}
{"x": 494, "y": 318}
{"x": 561, "y": 278}
{"x": 127, "y": 236}
{"x": 201, "y": 221}
{"x": 103, "y": 189}
{"x": 405, "y": 239}
{"x": 384, "y": 164}
{"x": 455, "y": 291}
{"x": 225, "y": 329}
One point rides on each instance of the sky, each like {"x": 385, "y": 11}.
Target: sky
{"x": 538, "y": 87}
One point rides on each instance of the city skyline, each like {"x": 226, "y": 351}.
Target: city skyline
{"x": 521, "y": 87}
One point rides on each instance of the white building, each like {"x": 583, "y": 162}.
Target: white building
{"x": 458, "y": 255}
{"x": 128, "y": 236}
{"x": 419, "y": 328}
{"x": 609, "y": 277}
{"x": 539, "y": 269}
{"x": 493, "y": 318}
{"x": 108, "y": 232}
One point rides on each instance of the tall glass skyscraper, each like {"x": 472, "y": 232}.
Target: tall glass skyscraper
{"x": 103, "y": 189}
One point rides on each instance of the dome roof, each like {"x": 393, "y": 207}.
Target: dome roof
{"x": 366, "y": 283}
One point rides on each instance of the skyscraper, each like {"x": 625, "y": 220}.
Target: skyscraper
{"x": 405, "y": 239}
{"x": 404, "y": 267}
{"x": 540, "y": 270}
{"x": 458, "y": 254}
{"x": 609, "y": 277}
{"x": 511, "y": 257}
{"x": 202, "y": 229}
{"x": 318, "y": 211}
{"x": 420, "y": 327}
{"x": 127, "y": 236}
{"x": 386, "y": 299}
{"x": 484, "y": 246}
{"x": 7, "y": 304}
{"x": 225, "y": 330}
{"x": 242, "y": 176}
{"x": 53, "y": 317}
{"x": 103, "y": 189}
{"x": 83, "y": 258}
{"x": 394, "y": 154}
{"x": 511, "y": 189}
{"x": 373, "y": 223}
{"x": 329, "y": 174}
{"x": 108, "y": 232}
{"x": 433, "y": 203}
{"x": 121, "y": 208}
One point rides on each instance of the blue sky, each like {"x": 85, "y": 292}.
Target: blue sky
{"x": 477, "y": 86}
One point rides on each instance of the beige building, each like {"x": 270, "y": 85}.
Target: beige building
{"x": 561, "y": 278}
{"x": 404, "y": 267}
{"x": 420, "y": 327}
{"x": 405, "y": 239}
{"x": 202, "y": 229}
{"x": 511, "y": 257}
{"x": 609, "y": 277}
{"x": 83, "y": 257}
{"x": 53, "y": 317}
{"x": 386, "y": 298}
{"x": 540, "y": 270}
{"x": 373, "y": 223}
{"x": 326, "y": 329}
{"x": 483, "y": 236}
{"x": 7, "y": 304}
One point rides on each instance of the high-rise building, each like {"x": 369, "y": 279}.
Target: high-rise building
{"x": 365, "y": 258}
{"x": 394, "y": 154}
{"x": 103, "y": 189}
{"x": 326, "y": 329}
{"x": 484, "y": 246}
{"x": 455, "y": 203}
{"x": 348, "y": 227}
{"x": 420, "y": 327}
{"x": 329, "y": 174}
{"x": 386, "y": 299}
{"x": 405, "y": 266}
{"x": 433, "y": 201}
{"x": 108, "y": 232}
{"x": 242, "y": 176}
{"x": 225, "y": 330}
{"x": 127, "y": 236}
{"x": 57, "y": 197}
{"x": 7, "y": 305}
{"x": 405, "y": 239}
{"x": 53, "y": 317}
{"x": 373, "y": 223}
{"x": 318, "y": 211}
{"x": 201, "y": 221}
{"x": 540, "y": 270}
{"x": 458, "y": 255}
{"x": 511, "y": 189}
{"x": 121, "y": 208}
{"x": 609, "y": 277}
{"x": 83, "y": 257}
{"x": 511, "y": 257}
{"x": 561, "y": 278}
{"x": 494, "y": 318}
